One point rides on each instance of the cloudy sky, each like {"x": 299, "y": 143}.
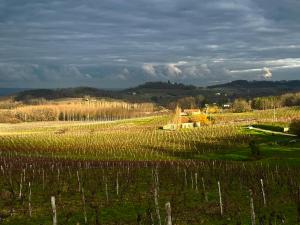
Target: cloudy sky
{"x": 121, "y": 43}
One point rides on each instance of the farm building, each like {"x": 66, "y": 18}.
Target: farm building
{"x": 187, "y": 125}
{"x": 188, "y": 118}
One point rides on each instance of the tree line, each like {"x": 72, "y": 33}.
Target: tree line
{"x": 77, "y": 111}
{"x": 270, "y": 102}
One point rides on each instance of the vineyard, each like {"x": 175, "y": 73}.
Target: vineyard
{"x": 137, "y": 140}
{"x": 133, "y": 139}
{"x": 91, "y": 192}
{"x": 133, "y": 172}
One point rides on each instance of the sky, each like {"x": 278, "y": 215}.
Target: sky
{"x": 123, "y": 43}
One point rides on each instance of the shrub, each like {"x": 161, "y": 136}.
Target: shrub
{"x": 295, "y": 127}
{"x": 241, "y": 105}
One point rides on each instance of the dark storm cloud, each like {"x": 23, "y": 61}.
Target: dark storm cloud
{"x": 118, "y": 43}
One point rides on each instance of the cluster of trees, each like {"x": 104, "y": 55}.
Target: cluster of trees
{"x": 79, "y": 111}
{"x": 9, "y": 104}
{"x": 165, "y": 85}
{"x": 242, "y": 105}
{"x": 286, "y": 100}
{"x": 262, "y": 103}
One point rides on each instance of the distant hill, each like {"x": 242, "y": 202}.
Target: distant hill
{"x": 163, "y": 93}
{"x": 250, "y": 89}
{"x": 10, "y": 91}
{"x": 51, "y": 94}
{"x": 283, "y": 84}
{"x": 164, "y": 85}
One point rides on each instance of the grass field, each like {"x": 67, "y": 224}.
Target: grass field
{"x": 109, "y": 172}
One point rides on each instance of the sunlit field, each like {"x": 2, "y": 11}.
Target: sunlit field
{"x": 138, "y": 139}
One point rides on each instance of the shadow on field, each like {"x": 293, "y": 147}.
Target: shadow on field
{"x": 192, "y": 149}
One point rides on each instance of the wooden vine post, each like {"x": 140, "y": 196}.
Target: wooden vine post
{"x": 157, "y": 205}
{"x": 220, "y": 198}
{"x": 29, "y": 200}
{"x": 168, "y": 212}
{"x": 54, "y": 215}
{"x": 204, "y": 190}
{"x": 263, "y": 191}
{"x": 253, "y": 222}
